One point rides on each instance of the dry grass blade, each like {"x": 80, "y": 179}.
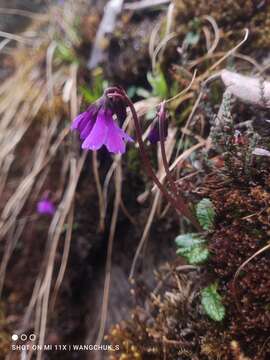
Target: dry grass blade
{"x": 169, "y": 146}
{"x": 153, "y": 39}
{"x": 18, "y": 38}
{"x": 53, "y": 238}
{"x": 161, "y": 46}
{"x": 101, "y": 203}
{"x": 11, "y": 242}
{"x": 224, "y": 57}
{"x": 28, "y": 95}
{"x": 117, "y": 200}
{"x": 179, "y": 160}
{"x": 145, "y": 234}
{"x": 19, "y": 198}
{"x": 185, "y": 90}
{"x": 212, "y": 21}
{"x": 64, "y": 260}
{"x": 5, "y": 170}
{"x": 26, "y": 13}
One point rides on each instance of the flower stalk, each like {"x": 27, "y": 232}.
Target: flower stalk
{"x": 97, "y": 127}
{"x": 177, "y": 200}
{"x": 182, "y": 207}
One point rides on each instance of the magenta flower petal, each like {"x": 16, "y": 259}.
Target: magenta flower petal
{"x": 85, "y": 121}
{"x": 115, "y": 142}
{"x": 98, "y": 135}
{"x": 45, "y": 207}
{"x": 79, "y": 122}
{"x": 97, "y": 126}
{"x": 87, "y": 128}
{"x": 116, "y": 138}
{"x": 125, "y": 136}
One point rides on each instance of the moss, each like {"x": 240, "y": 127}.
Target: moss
{"x": 230, "y": 12}
{"x": 171, "y": 322}
{"x": 234, "y": 240}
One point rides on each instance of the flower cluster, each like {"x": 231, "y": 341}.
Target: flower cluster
{"x": 97, "y": 125}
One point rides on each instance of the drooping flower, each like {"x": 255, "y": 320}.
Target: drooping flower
{"x": 154, "y": 134}
{"x": 45, "y": 207}
{"x": 97, "y": 125}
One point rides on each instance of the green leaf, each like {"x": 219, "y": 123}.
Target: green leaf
{"x": 158, "y": 83}
{"x": 211, "y": 301}
{"x": 206, "y": 213}
{"x": 192, "y": 247}
{"x": 91, "y": 94}
{"x": 195, "y": 255}
{"x": 88, "y": 95}
{"x": 188, "y": 240}
{"x": 65, "y": 53}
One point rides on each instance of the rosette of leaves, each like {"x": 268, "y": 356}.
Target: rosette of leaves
{"x": 192, "y": 247}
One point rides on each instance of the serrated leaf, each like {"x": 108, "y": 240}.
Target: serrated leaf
{"x": 206, "y": 213}
{"x": 192, "y": 247}
{"x": 194, "y": 255}
{"x": 212, "y": 303}
{"x": 188, "y": 240}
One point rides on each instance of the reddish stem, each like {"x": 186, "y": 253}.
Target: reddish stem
{"x": 181, "y": 207}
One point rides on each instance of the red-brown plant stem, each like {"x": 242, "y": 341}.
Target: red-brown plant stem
{"x": 182, "y": 206}
{"x": 178, "y": 206}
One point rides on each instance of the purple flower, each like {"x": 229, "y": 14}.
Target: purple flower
{"x": 97, "y": 126}
{"x": 154, "y": 135}
{"x": 45, "y": 207}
